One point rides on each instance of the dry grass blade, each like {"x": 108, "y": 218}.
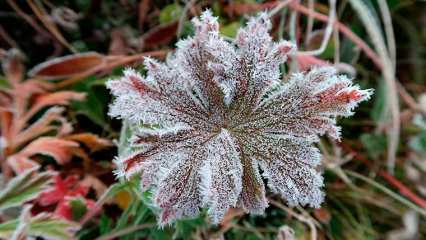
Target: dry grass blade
{"x": 347, "y": 32}
{"x": 278, "y": 8}
{"x": 26, "y": 17}
{"x": 125, "y": 231}
{"x": 52, "y": 227}
{"x": 328, "y": 31}
{"x": 310, "y": 24}
{"x": 41, "y": 13}
{"x": 299, "y": 217}
{"x": 389, "y": 76}
{"x": 390, "y": 36}
{"x": 395, "y": 196}
{"x": 7, "y": 38}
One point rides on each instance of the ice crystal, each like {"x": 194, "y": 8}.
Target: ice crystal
{"x": 219, "y": 116}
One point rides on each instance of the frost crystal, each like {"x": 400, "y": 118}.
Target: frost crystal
{"x": 219, "y": 115}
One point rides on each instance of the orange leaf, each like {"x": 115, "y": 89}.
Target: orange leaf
{"x": 21, "y": 164}
{"x": 30, "y": 87}
{"x": 123, "y": 199}
{"x": 56, "y": 98}
{"x": 42, "y": 125}
{"x": 67, "y": 66}
{"x": 59, "y": 149}
{"x": 92, "y": 141}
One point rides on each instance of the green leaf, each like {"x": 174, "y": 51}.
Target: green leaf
{"x": 170, "y": 13}
{"x": 188, "y": 227}
{"x": 374, "y": 143}
{"x": 3, "y": 82}
{"x": 78, "y": 208}
{"x": 21, "y": 231}
{"x": 329, "y": 51}
{"x": 187, "y": 30}
{"x": 25, "y": 187}
{"x": 7, "y": 228}
{"x": 124, "y": 143}
{"x": 379, "y": 113}
{"x": 95, "y": 104}
{"x": 105, "y": 224}
{"x": 230, "y": 30}
{"x": 348, "y": 51}
{"x": 418, "y": 143}
{"x": 42, "y": 225}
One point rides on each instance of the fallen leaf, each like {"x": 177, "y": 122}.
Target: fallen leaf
{"x": 67, "y": 66}
{"x": 160, "y": 35}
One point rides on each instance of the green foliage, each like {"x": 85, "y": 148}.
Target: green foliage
{"x": 170, "y": 13}
{"x": 78, "y": 208}
{"x": 43, "y": 225}
{"x": 374, "y": 143}
{"x": 418, "y": 142}
{"x": 378, "y": 113}
{"x": 95, "y": 104}
{"x": 24, "y": 187}
{"x": 230, "y": 30}
{"x": 3, "y": 82}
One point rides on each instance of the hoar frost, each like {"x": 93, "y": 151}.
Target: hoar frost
{"x": 220, "y": 116}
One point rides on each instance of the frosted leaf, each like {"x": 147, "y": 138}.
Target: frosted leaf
{"x": 289, "y": 167}
{"x": 223, "y": 168}
{"x": 252, "y": 197}
{"x": 177, "y": 194}
{"x": 215, "y": 113}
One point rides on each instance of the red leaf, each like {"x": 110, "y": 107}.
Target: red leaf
{"x": 68, "y": 187}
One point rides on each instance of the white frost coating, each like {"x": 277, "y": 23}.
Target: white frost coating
{"x": 218, "y": 113}
{"x": 224, "y": 180}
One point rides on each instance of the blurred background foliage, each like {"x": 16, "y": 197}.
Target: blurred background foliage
{"x": 72, "y": 188}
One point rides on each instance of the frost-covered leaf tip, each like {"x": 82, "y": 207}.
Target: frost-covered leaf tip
{"x": 220, "y": 114}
